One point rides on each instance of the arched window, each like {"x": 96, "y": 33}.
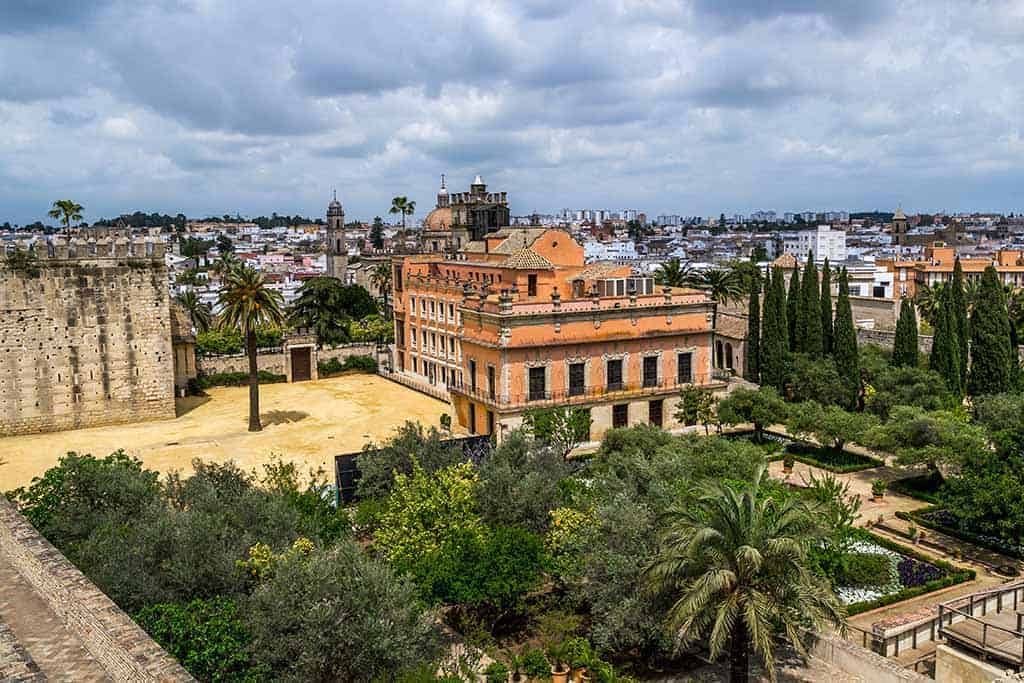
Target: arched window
{"x": 728, "y": 355}
{"x": 718, "y": 354}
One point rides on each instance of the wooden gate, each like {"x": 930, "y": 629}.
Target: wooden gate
{"x": 301, "y": 365}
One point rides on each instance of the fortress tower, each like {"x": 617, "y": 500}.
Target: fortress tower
{"x": 85, "y": 336}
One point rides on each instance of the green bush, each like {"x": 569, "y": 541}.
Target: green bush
{"x": 863, "y": 569}
{"x": 207, "y": 636}
{"x": 236, "y": 379}
{"x": 332, "y": 366}
{"x": 535, "y": 664}
{"x": 224, "y": 341}
{"x": 496, "y": 672}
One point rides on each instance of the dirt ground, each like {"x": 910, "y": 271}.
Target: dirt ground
{"x": 306, "y": 422}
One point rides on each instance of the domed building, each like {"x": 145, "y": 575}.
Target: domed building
{"x": 436, "y": 236}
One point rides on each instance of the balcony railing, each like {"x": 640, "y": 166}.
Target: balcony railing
{"x": 576, "y": 395}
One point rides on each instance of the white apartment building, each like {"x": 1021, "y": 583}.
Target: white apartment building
{"x": 823, "y": 241}
{"x": 616, "y": 250}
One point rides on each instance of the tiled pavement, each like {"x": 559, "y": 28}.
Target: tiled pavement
{"x": 33, "y": 629}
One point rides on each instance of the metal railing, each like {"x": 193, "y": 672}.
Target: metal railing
{"x": 623, "y": 390}
{"x": 952, "y": 610}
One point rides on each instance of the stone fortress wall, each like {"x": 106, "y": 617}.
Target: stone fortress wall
{"x": 85, "y": 335}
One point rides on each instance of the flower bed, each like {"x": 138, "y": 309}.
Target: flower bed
{"x": 913, "y": 574}
{"x": 945, "y": 521}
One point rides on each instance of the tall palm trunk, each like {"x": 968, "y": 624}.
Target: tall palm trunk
{"x": 254, "y": 383}
{"x": 739, "y": 653}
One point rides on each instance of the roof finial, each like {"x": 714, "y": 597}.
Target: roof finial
{"x": 335, "y": 194}
{"x": 442, "y": 181}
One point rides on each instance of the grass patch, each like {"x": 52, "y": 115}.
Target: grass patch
{"x": 922, "y": 487}
{"x": 952, "y": 577}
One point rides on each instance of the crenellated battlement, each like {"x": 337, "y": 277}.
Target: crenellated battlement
{"x": 63, "y": 249}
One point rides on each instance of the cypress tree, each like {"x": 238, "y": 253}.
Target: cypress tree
{"x": 945, "y": 356}
{"x": 990, "y": 338}
{"x": 826, "y": 309}
{"x": 1015, "y": 370}
{"x": 753, "y": 357}
{"x": 774, "y": 332}
{"x": 809, "y": 324}
{"x": 904, "y": 352}
{"x": 793, "y": 310}
{"x": 960, "y": 326}
{"x": 845, "y": 350}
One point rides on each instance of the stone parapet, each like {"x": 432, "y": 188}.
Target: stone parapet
{"x": 62, "y": 248}
{"x": 117, "y": 643}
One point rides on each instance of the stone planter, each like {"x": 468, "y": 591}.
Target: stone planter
{"x": 559, "y": 675}
{"x": 877, "y": 497}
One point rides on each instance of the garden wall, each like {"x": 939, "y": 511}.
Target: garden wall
{"x": 887, "y": 339}
{"x": 273, "y": 360}
{"x": 855, "y": 660}
{"x": 117, "y": 643}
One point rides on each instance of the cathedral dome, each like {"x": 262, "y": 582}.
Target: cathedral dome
{"x": 438, "y": 219}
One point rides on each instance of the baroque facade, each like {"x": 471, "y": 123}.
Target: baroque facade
{"x": 517, "y": 320}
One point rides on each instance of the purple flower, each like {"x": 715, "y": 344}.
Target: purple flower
{"x": 916, "y": 573}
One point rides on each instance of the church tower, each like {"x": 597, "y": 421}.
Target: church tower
{"x": 337, "y": 253}
{"x": 899, "y": 227}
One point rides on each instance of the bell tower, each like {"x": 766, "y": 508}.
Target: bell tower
{"x": 337, "y": 253}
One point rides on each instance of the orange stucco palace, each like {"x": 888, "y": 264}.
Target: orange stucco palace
{"x": 516, "y": 320}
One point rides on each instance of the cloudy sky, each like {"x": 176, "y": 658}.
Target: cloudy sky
{"x": 693, "y": 107}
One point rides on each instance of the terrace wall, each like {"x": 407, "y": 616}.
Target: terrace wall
{"x": 273, "y": 360}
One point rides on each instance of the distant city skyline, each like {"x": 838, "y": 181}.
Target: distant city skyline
{"x": 668, "y": 107}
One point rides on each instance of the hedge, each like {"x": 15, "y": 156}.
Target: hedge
{"x": 333, "y": 366}
{"x": 236, "y": 379}
{"x": 917, "y": 516}
{"x": 953, "y": 575}
{"x": 806, "y": 453}
{"x": 908, "y": 487}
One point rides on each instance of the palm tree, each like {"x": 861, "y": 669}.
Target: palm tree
{"x": 403, "y": 206}
{"x": 672, "y": 273}
{"x": 735, "y": 567}
{"x": 247, "y": 303}
{"x": 928, "y": 300}
{"x": 380, "y": 277}
{"x": 198, "y": 310}
{"x": 721, "y": 285}
{"x": 227, "y": 262}
{"x": 66, "y": 211}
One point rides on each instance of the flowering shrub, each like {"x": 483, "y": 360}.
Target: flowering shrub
{"x": 916, "y": 573}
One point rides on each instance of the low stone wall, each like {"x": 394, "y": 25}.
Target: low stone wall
{"x": 853, "y": 659}
{"x": 274, "y": 360}
{"x": 111, "y": 637}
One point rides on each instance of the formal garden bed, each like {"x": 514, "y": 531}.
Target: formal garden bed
{"x": 922, "y": 487}
{"x": 878, "y": 572}
{"x": 778, "y": 446}
{"x": 940, "y": 519}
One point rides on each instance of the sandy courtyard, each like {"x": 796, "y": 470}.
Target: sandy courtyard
{"x": 306, "y": 422}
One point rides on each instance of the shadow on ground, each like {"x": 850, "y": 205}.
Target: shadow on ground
{"x": 183, "y": 406}
{"x": 280, "y": 417}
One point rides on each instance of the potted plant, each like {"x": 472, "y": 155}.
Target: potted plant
{"x": 496, "y": 672}
{"x": 559, "y": 665}
{"x": 787, "y": 463}
{"x": 577, "y": 651}
{"x": 515, "y": 663}
{"x": 536, "y": 665}
{"x": 878, "y": 488}
{"x": 912, "y": 533}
